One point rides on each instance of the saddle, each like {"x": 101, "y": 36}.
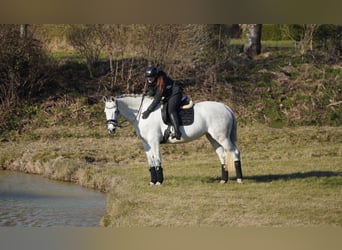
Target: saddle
{"x": 186, "y": 116}
{"x": 186, "y": 113}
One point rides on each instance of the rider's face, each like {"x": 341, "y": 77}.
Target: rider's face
{"x": 150, "y": 79}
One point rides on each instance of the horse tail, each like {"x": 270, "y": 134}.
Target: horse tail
{"x": 233, "y": 138}
{"x": 233, "y": 132}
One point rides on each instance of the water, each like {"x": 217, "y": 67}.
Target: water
{"x": 34, "y": 201}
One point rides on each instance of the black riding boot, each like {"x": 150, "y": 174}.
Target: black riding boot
{"x": 175, "y": 123}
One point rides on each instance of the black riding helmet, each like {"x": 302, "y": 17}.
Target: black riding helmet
{"x": 151, "y": 71}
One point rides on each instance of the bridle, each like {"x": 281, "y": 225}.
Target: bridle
{"x": 114, "y": 121}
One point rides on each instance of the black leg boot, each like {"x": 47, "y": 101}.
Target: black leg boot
{"x": 175, "y": 123}
{"x": 224, "y": 177}
{"x": 160, "y": 175}
{"x": 238, "y": 171}
{"x": 153, "y": 176}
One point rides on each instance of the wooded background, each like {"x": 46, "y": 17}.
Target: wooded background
{"x": 39, "y": 62}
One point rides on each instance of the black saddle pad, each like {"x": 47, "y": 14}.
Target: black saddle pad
{"x": 186, "y": 116}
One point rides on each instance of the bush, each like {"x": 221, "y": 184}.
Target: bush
{"x": 86, "y": 39}
{"x": 272, "y": 32}
{"x": 24, "y": 70}
{"x": 329, "y": 38}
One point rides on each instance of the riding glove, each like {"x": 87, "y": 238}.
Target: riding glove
{"x": 145, "y": 114}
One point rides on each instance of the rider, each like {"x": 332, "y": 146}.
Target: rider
{"x": 161, "y": 86}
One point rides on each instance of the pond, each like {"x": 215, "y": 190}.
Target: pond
{"x": 34, "y": 201}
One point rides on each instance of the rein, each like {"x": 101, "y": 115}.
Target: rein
{"x": 139, "y": 110}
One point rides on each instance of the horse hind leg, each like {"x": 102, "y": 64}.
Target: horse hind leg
{"x": 222, "y": 156}
{"x": 235, "y": 152}
{"x": 234, "y": 163}
{"x": 231, "y": 155}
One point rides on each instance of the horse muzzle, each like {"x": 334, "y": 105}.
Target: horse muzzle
{"x": 111, "y": 129}
{"x": 111, "y": 126}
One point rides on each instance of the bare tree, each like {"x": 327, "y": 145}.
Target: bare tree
{"x": 116, "y": 40}
{"x": 302, "y": 34}
{"x": 179, "y": 49}
{"x": 159, "y": 42}
{"x": 305, "y": 43}
{"x": 173, "y": 47}
{"x": 86, "y": 40}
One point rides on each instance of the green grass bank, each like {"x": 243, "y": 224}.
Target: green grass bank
{"x": 293, "y": 176}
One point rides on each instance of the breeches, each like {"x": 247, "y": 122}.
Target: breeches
{"x": 174, "y": 103}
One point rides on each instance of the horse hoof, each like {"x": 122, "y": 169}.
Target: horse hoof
{"x": 223, "y": 182}
{"x": 239, "y": 181}
{"x": 155, "y": 184}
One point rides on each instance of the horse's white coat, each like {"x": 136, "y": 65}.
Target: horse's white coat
{"x": 214, "y": 119}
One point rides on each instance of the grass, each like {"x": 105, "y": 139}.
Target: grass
{"x": 293, "y": 176}
{"x": 268, "y": 43}
{"x": 285, "y": 185}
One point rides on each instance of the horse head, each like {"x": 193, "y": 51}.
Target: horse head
{"x": 112, "y": 113}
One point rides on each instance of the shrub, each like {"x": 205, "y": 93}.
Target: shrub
{"x": 86, "y": 39}
{"x": 24, "y": 70}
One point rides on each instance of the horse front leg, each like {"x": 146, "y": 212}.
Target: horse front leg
{"x": 154, "y": 162}
{"x": 157, "y": 163}
{"x": 152, "y": 169}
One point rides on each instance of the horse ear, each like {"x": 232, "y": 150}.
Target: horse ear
{"x": 112, "y": 98}
{"x": 104, "y": 99}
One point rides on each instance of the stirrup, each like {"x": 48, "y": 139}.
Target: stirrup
{"x": 167, "y": 134}
{"x": 173, "y": 136}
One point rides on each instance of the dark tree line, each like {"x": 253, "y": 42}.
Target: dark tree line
{"x": 199, "y": 50}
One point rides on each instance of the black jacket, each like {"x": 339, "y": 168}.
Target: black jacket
{"x": 170, "y": 88}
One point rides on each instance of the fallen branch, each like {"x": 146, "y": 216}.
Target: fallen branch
{"x": 334, "y": 104}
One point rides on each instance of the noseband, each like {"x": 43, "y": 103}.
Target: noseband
{"x": 113, "y": 121}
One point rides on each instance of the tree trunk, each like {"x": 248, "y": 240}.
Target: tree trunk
{"x": 253, "y": 41}
{"x": 111, "y": 69}
{"x": 305, "y": 43}
{"x": 23, "y": 31}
